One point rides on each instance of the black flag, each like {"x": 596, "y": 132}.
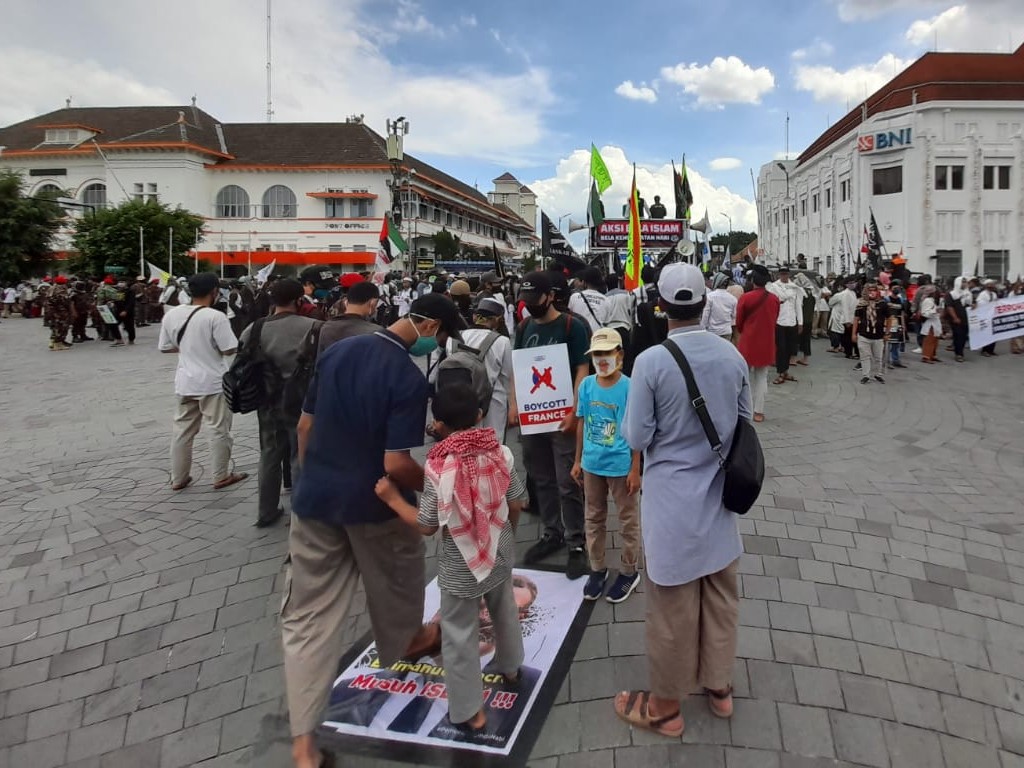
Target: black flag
{"x": 875, "y": 245}
{"x": 556, "y": 247}
{"x": 499, "y": 268}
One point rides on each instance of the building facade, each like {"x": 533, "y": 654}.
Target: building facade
{"x": 297, "y": 193}
{"x": 936, "y": 155}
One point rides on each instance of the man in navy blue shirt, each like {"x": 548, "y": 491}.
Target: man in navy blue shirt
{"x": 365, "y": 410}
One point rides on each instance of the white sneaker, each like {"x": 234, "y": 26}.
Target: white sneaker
{"x": 916, "y": 351}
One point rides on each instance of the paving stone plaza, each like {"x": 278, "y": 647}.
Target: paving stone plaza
{"x": 883, "y": 582}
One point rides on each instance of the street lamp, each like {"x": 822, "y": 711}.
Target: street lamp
{"x": 727, "y": 216}
{"x": 789, "y": 215}
{"x": 563, "y": 216}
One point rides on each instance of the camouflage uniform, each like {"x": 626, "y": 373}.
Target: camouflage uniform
{"x": 58, "y": 314}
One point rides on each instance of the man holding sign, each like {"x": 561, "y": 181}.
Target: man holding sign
{"x": 549, "y": 361}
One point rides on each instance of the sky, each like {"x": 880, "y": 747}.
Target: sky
{"x": 524, "y": 87}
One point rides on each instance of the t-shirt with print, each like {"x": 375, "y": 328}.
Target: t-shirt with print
{"x": 865, "y": 326}
{"x": 367, "y": 398}
{"x": 201, "y": 362}
{"x": 564, "y": 329}
{"x": 453, "y": 575}
{"x": 605, "y": 451}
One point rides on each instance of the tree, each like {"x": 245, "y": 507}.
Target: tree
{"x": 110, "y": 237}
{"x": 737, "y": 240}
{"x": 446, "y": 245}
{"x": 530, "y": 260}
{"x": 27, "y": 227}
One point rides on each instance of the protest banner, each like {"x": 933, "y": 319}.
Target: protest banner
{"x": 402, "y": 711}
{"x": 544, "y": 387}
{"x": 996, "y": 321}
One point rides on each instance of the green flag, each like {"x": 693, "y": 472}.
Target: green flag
{"x": 596, "y": 206}
{"x": 599, "y": 170}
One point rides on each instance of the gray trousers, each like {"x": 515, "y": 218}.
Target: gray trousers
{"x": 278, "y": 442}
{"x": 549, "y": 458}
{"x": 461, "y": 646}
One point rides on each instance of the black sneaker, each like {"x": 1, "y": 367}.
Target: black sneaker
{"x": 266, "y": 522}
{"x": 547, "y": 546}
{"x": 858, "y": 367}
{"x": 865, "y": 380}
{"x": 879, "y": 379}
{"x": 623, "y": 587}
{"x": 578, "y": 565}
{"x": 595, "y": 585}
{"x": 898, "y": 365}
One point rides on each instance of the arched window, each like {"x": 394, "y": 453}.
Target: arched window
{"x": 50, "y": 191}
{"x": 95, "y": 195}
{"x": 232, "y": 203}
{"x": 278, "y": 203}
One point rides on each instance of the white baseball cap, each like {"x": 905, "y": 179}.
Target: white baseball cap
{"x": 681, "y": 285}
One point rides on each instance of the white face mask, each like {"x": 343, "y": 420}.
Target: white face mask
{"x": 606, "y": 365}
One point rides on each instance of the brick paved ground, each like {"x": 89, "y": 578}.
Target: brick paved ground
{"x": 883, "y": 589}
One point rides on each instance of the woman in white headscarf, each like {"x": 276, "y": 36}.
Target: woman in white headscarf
{"x": 931, "y": 320}
{"x": 957, "y": 302}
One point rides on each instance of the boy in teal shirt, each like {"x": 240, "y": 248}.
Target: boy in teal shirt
{"x": 605, "y": 463}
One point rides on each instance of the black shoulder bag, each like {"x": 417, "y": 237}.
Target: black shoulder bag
{"x": 744, "y": 466}
{"x": 181, "y": 332}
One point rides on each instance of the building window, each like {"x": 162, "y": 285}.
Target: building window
{"x": 815, "y": 200}
{"x": 776, "y": 219}
{"x": 278, "y": 203}
{"x": 949, "y": 263}
{"x": 447, "y": 218}
{"x": 803, "y": 208}
{"x": 844, "y": 190}
{"x": 362, "y": 209}
{"x": 996, "y": 177}
{"x": 828, "y": 197}
{"x": 887, "y": 181}
{"x": 949, "y": 177}
{"x": 49, "y": 191}
{"x": 62, "y": 136}
{"x": 423, "y": 210}
{"x": 232, "y": 203}
{"x": 334, "y": 208}
{"x": 996, "y": 264}
{"x": 95, "y": 195}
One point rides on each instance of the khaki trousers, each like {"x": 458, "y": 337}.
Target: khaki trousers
{"x": 191, "y": 412}
{"x": 595, "y": 490}
{"x": 691, "y": 634}
{"x": 326, "y": 563}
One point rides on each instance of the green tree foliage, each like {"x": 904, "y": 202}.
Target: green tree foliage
{"x": 736, "y": 241}
{"x": 446, "y": 245}
{"x": 110, "y": 237}
{"x": 27, "y": 226}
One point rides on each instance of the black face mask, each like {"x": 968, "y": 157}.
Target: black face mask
{"x": 537, "y": 311}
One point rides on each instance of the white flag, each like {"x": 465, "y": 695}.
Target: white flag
{"x": 264, "y": 274}
{"x": 162, "y": 275}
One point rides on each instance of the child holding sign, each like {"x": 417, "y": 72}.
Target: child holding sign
{"x": 605, "y": 463}
{"x": 471, "y": 492}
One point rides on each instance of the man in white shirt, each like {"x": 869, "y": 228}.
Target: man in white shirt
{"x": 986, "y": 295}
{"x": 587, "y": 302}
{"x": 10, "y": 299}
{"x": 204, "y": 341}
{"x": 719, "y": 315}
{"x": 405, "y": 296}
{"x": 789, "y": 325}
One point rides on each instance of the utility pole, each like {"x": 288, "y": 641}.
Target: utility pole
{"x": 397, "y": 129}
{"x": 270, "y": 99}
{"x": 789, "y": 213}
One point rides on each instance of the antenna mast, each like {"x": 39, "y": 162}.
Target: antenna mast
{"x": 270, "y": 97}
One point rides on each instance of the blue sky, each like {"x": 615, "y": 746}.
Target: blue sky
{"x": 522, "y": 86}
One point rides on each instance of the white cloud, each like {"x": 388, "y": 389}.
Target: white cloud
{"x": 411, "y": 19}
{"x": 816, "y": 50}
{"x": 566, "y": 191}
{"x": 468, "y": 20}
{"x": 328, "y": 64}
{"x": 725, "y": 164}
{"x": 723, "y": 81}
{"x": 641, "y": 92}
{"x": 852, "y": 85}
{"x": 861, "y": 10}
{"x": 965, "y": 28}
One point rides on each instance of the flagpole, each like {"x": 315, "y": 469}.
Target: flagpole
{"x": 142, "y": 252}
{"x": 196, "y": 247}
{"x": 170, "y": 250}
{"x": 222, "y": 254}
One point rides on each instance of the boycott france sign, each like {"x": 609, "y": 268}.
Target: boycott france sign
{"x": 544, "y": 387}
{"x": 996, "y": 321}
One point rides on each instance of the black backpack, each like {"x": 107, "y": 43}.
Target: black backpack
{"x": 744, "y": 466}
{"x": 245, "y": 383}
{"x": 466, "y": 366}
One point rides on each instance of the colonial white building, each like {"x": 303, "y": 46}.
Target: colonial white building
{"x": 937, "y": 154}
{"x": 300, "y": 193}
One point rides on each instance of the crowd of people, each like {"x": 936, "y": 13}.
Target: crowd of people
{"x": 349, "y": 368}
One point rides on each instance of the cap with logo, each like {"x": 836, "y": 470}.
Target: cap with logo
{"x": 604, "y": 340}
{"x": 436, "y": 306}
{"x": 681, "y": 285}
{"x": 321, "y": 276}
{"x": 489, "y": 308}
{"x": 534, "y": 286}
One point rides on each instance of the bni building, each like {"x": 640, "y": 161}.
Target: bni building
{"x": 937, "y": 154}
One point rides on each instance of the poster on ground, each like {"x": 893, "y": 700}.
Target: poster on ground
{"x": 996, "y": 321}
{"x": 544, "y": 387}
{"x": 401, "y": 712}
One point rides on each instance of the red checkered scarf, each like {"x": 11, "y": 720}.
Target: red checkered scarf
{"x": 469, "y": 472}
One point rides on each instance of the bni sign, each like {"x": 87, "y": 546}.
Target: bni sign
{"x": 885, "y": 140}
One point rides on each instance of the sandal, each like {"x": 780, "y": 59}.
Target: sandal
{"x": 780, "y": 380}
{"x": 790, "y": 378}
{"x": 724, "y": 709}
{"x": 234, "y": 477}
{"x": 639, "y": 716}
{"x": 430, "y": 645}
{"x": 184, "y": 484}
{"x": 758, "y": 417}
{"x": 802, "y": 362}
{"x": 468, "y": 727}
{"x": 327, "y": 759}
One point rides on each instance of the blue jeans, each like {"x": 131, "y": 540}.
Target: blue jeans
{"x": 895, "y": 349}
